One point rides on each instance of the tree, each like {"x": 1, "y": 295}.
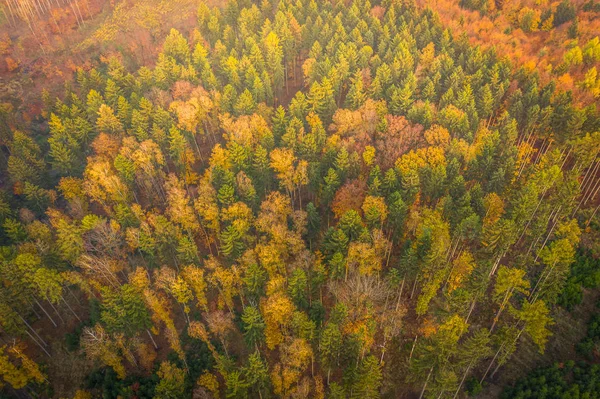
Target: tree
{"x": 25, "y": 163}
{"x": 573, "y": 57}
{"x": 476, "y": 348}
{"x": 291, "y": 172}
{"x": 375, "y": 211}
{"x": 434, "y": 233}
{"x": 565, "y": 11}
{"x": 274, "y": 60}
{"x": 434, "y": 352}
{"x": 10, "y": 373}
{"x": 296, "y": 355}
{"x": 177, "y": 47}
{"x": 529, "y": 19}
{"x": 331, "y": 184}
{"x": 537, "y": 320}
{"x": 321, "y": 97}
{"x": 591, "y": 51}
{"x": 356, "y": 93}
{"x": 351, "y": 224}
{"x": 245, "y": 104}
{"x": 18, "y": 375}
{"x": 330, "y": 346}
{"x": 107, "y": 121}
{"x": 508, "y": 281}
{"x": 462, "y": 266}
{"x": 194, "y": 276}
{"x": 276, "y": 309}
{"x": 297, "y": 288}
{"x": 179, "y": 208}
{"x": 254, "y": 325}
{"x": 171, "y": 384}
{"x": 124, "y": 311}
{"x": 369, "y": 379}
{"x": 68, "y": 236}
{"x": 257, "y": 373}
{"x": 98, "y": 345}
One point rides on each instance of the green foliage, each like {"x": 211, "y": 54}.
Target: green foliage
{"x": 473, "y": 386}
{"x": 253, "y": 325}
{"x": 124, "y": 311}
{"x": 558, "y": 381}
{"x": 585, "y": 273}
{"x": 171, "y": 384}
{"x": 105, "y": 384}
{"x": 282, "y": 185}
{"x": 565, "y": 11}
{"x": 478, "y": 5}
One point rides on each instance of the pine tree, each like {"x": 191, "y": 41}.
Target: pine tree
{"x": 253, "y": 326}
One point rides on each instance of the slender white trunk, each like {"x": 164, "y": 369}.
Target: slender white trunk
{"x": 425, "y": 385}
{"x": 462, "y": 380}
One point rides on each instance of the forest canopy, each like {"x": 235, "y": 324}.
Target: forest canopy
{"x": 296, "y": 199}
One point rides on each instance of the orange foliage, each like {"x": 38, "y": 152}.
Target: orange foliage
{"x": 5, "y": 44}
{"x": 400, "y": 137}
{"x": 106, "y": 145}
{"x": 428, "y": 328}
{"x": 501, "y": 30}
{"x": 11, "y": 63}
{"x": 350, "y": 196}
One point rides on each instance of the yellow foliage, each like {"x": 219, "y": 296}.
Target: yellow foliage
{"x": 414, "y": 160}
{"x": 194, "y": 276}
{"x": 494, "y": 208}
{"x": 246, "y": 130}
{"x": 548, "y": 23}
{"x": 375, "y": 209}
{"x": 226, "y": 281}
{"x": 79, "y": 394}
{"x": 438, "y": 136}
{"x": 295, "y": 358}
{"x": 277, "y": 310}
{"x": 524, "y": 154}
{"x": 566, "y": 80}
{"x": 220, "y": 157}
{"x": 427, "y": 55}
{"x": 461, "y": 269}
{"x": 270, "y": 259}
{"x": 362, "y": 258}
{"x": 98, "y": 345}
{"x": 369, "y": 155}
{"x": 210, "y": 382}
{"x": 147, "y": 355}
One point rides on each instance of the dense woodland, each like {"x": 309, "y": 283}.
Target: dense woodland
{"x": 300, "y": 199}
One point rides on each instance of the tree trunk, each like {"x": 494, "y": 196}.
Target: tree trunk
{"x": 470, "y": 311}
{"x": 46, "y": 313}
{"x": 55, "y": 310}
{"x": 152, "y": 339}
{"x": 462, "y": 380}
{"x": 31, "y": 328}
{"x": 38, "y": 344}
{"x": 506, "y": 298}
{"x": 68, "y": 306}
{"x": 425, "y": 385}
{"x": 413, "y": 348}
{"x": 491, "y": 363}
